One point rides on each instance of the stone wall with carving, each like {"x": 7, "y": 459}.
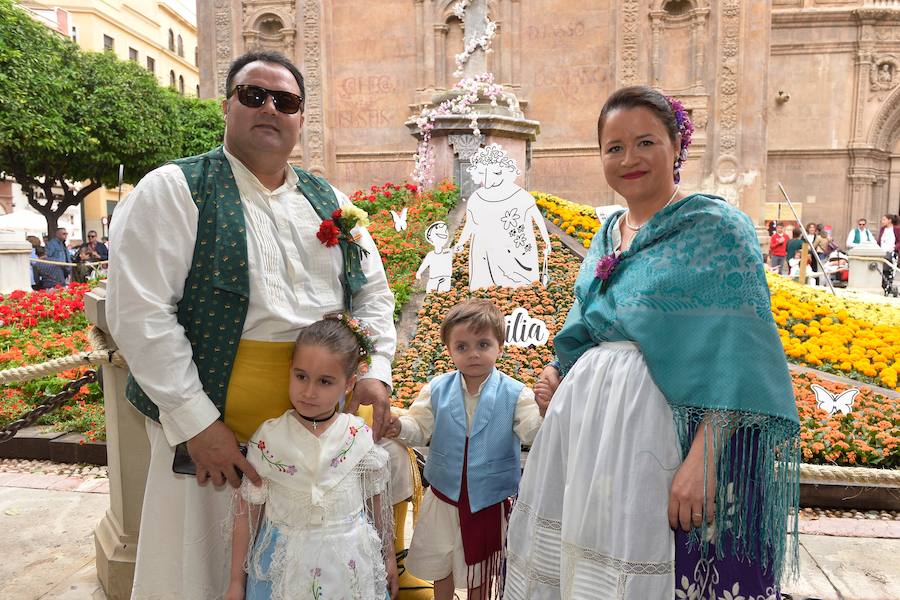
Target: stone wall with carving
{"x": 829, "y": 137}
{"x": 834, "y": 109}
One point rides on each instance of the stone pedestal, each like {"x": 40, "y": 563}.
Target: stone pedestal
{"x": 128, "y": 455}
{"x": 15, "y": 265}
{"x": 454, "y": 141}
{"x": 865, "y": 269}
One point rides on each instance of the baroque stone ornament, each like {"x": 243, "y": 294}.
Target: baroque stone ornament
{"x": 314, "y": 125}
{"x": 628, "y": 53}
{"x": 727, "y": 163}
{"x": 465, "y": 145}
{"x": 224, "y": 43}
{"x": 884, "y": 73}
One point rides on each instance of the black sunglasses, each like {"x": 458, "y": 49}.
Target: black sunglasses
{"x": 255, "y": 96}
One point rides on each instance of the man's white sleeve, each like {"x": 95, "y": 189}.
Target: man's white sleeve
{"x": 373, "y": 304}
{"x": 153, "y": 233}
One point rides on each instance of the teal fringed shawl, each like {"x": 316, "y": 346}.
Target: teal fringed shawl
{"x": 691, "y": 292}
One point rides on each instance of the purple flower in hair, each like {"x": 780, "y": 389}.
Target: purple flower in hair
{"x": 606, "y": 266}
{"x": 686, "y": 129}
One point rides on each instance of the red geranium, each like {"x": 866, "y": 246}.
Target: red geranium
{"x": 328, "y": 232}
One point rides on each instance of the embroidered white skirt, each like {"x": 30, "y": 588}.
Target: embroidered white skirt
{"x": 591, "y": 517}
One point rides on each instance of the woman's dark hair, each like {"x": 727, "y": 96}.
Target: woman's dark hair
{"x": 334, "y": 336}
{"x": 894, "y": 219}
{"x": 270, "y": 57}
{"x": 640, "y": 96}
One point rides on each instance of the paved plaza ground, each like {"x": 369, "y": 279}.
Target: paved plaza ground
{"x": 48, "y": 513}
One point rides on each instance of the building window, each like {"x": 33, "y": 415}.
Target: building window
{"x": 198, "y": 90}
{"x": 180, "y": 46}
{"x": 171, "y": 40}
{"x": 196, "y": 56}
{"x": 172, "y": 79}
{"x": 108, "y": 43}
{"x": 74, "y": 34}
{"x": 151, "y": 65}
{"x": 181, "y": 85}
{"x": 132, "y": 54}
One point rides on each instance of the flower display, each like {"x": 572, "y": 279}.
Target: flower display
{"x": 403, "y": 251}
{"x": 578, "y": 220}
{"x": 40, "y": 326}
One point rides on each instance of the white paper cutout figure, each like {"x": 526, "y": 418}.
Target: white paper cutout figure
{"x": 832, "y": 404}
{"x": 399, "y": 219}
{"x": 438, "y": 262}
{"x": 523, "y": 330}
{"x": 499, "y": 227}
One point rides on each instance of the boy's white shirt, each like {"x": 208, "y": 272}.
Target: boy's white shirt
{"x": 417, "y": 425}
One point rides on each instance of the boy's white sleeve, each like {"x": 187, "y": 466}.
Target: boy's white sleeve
{"x": 417, "y": 425}
{"x": 527, "y": 418}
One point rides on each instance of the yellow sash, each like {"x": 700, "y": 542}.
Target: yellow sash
{"x": 258, "y": 388}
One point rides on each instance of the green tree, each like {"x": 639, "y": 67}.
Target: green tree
{"x": 71, "y": 116}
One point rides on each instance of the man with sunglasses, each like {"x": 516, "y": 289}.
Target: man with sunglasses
{"x": 217, "y": 267}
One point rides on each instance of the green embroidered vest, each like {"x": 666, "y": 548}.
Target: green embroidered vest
{"x": 213, "y": 307}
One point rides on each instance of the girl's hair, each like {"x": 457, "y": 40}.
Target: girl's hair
{"x": 332, "y": 334}
{"x": 479, "y": 315}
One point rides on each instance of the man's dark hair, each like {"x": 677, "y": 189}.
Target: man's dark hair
{"x": 270, "y": 57}
{"x": 795, "y": 233}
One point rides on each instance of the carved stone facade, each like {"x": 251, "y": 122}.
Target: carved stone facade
{"x": 801, "y": 92}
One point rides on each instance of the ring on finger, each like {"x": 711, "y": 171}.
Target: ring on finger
{"x": 697, "y": 515}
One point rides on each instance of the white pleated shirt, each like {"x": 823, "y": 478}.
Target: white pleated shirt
{"x": 294, "y": 281}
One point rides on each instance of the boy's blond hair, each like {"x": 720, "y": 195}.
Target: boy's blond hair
{"x": 478, "y": 314}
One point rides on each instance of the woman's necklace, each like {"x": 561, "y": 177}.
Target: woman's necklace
{"x": 638, "y": 227}
{"x": 315, "y": 421}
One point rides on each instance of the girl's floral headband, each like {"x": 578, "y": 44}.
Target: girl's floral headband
{"x": 361, "y": 332}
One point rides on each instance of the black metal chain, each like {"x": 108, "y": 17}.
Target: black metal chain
{"x": 67, "y": 393}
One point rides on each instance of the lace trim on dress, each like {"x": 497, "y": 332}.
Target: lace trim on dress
{"x": 622, "y": 566}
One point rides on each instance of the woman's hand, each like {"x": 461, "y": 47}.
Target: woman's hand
{"x": 545, "y": 387}
{"x": 686, "y": 498}
{"x": 393, "y": 427}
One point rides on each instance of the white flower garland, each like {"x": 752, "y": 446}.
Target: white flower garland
{"x": 460, "y": 104}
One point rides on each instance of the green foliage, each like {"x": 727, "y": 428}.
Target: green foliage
{"x": 73, "y": 116}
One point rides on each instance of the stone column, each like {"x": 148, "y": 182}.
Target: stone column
{"x": 15, "y": 267}
{"x": 128, "y": 456}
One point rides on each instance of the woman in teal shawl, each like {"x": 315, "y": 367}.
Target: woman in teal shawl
{"x": 667, "y": 465}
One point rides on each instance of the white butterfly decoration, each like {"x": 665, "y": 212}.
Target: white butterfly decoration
{"x": 832, "y": 404}
{"x": 399, "y": 219}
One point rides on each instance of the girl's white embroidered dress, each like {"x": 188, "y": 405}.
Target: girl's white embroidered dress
{"x": 323, "y": 533}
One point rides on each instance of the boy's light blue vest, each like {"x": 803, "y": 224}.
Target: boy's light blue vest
{"x": 493, "y": 470}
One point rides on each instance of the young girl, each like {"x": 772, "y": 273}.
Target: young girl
{"x": 320, "y": 525}
{"x": 476, "y": 420}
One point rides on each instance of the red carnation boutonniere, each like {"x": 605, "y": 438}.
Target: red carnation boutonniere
{"x": 340, "y": 227}
{"x": 329, "y": 233}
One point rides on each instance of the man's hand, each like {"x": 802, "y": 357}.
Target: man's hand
{"x": 375, "y": 393}
{"x": 215, "y": 452}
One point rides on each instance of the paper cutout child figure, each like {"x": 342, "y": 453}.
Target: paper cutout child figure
{"x": 438, "y": 262}
{"x": 500, "y": 222}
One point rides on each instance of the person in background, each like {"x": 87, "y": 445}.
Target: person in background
{"x": 794, "y": 245}
{"x": 859, "y": 235}
{"x": 57, "y": 252}
{"x": 778, "y": 249}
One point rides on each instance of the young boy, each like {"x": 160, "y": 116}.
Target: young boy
{"x": 476, "y": 419}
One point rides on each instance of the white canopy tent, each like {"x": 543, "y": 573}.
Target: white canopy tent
{"x": 26, "y": 221}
